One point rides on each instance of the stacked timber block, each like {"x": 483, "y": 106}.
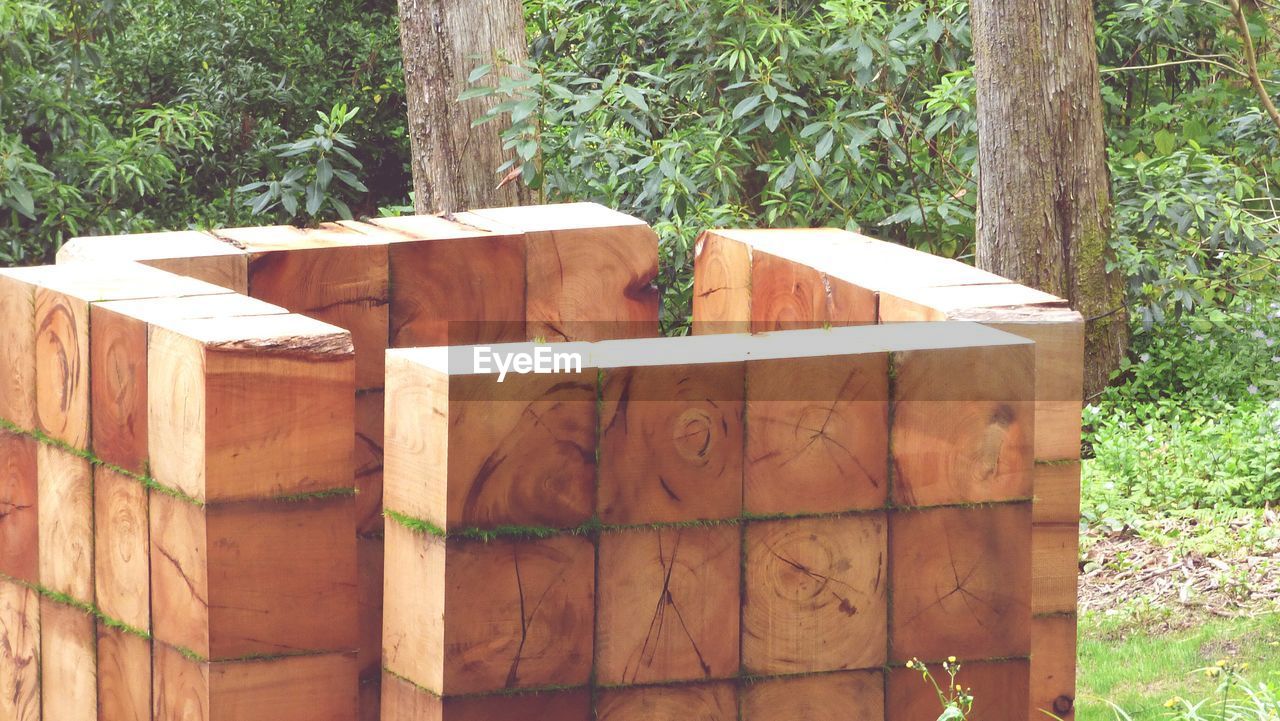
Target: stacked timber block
{"x": 762, "y": 280}
{"x": 176, "y": 541}
{"x": 562, "y": 272}
{"x": 764, "y": 527}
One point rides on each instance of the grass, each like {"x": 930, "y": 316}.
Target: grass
{"x": 1123, "y": 661}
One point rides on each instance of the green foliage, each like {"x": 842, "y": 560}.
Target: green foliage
{"x": 1196, "y": 421}
{"x": 316, "y": 160}
{"x": 127, "y": 116}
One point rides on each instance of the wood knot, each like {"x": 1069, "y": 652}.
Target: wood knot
{"x": 1063, "y": 704}
{"x": 691, "y": 435}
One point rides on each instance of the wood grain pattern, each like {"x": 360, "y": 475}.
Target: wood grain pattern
{"x": 671, "y": 444}
{"x": 511, "y": 613}
{"x": 1000, "y": 691}
{"x": 193, "y": 254}
{"x": 1053, "y": 666}
{"x": 467, "y": 451}
{"x": 254, "y": 406}
{"x": 66, "y": 522}
{"x": 124, "y": 676}
{"x": 122, "y": 569}
{"x": 827, "y": 697}
{"x": 458, "y": 291}
{"x": 1055, "y": 554}
{"x": 368, "y": 463}
{"x": 590, "y": 271}
{"x": 689, "y": 702}
{"x": 721, "y": 285}
{"x": 19, "y": 652}
{"x": 816, "y": 595}
{"x": 963, "y": 425}
{"x": 369, "y": 555}
{"x": 401, "y": 701}
{"x": 790, "y": 296}
{"x": 18, "y": 346}
{"x": 347, "y": 286}
{"x": 664, "y": 602}
{"x": 62, "y": 367}
{"x": 1057, "y": 489}
{"x": 118, "y": 387}
{"x": 961, "y": 582}
{"x": 817, "y": 434}
{"x": 19, "y": 499}
{"x": 254, "y": 578}
{"x": 68, "y": 663}
{"x": 303, "y": 688}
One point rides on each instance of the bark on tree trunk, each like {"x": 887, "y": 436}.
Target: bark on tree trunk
{"x": 1044, "y": 195}
{"x": 455, "y": 164}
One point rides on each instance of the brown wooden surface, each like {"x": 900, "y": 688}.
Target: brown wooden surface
{"x": 458, "y": 291}
{"x": 62, "y": 367}
{"x": 19, "y": 652}
{"x": 1053, "y": 666}
{"x": 685, "y": 702}
{"x": 1000, "y": 691}
{"x": 118, "y": 387}
{"x": 817, "y": 434}
{"x": 846, "y": 696}
{"x": 590, "y": 271}
{"x": 466, "y": 451}
{"x": 963, "y": 425}
{"x": 402, "y": 701}
{"x": 119, "y": 332}
{"x": 19, "y": 519}
{"x": 1057, "y": 489}
{"x": 68, "y": 663}
{"x": 302, "y": 688}
{"x": 193, "y": 254}
{"x": 961, "y": 582}
{"x": 789, "y": 296}
{"x": 124, "y": 676}
{"x": 816, "y": 595}
{"x": 369, "y": 555}
{"x": 66, "y": 522}
{"x": 721, "y": 285}
{"x": 370, "y": 416}
{"x": 667, "y": 604}
{"x": 18, "y": 346}
{"x": 671, "y": 443}
{"x": 253, "y": 406}
{"x": 254, "y": 578}
{"x": 511, "y": 613}
{"x": 1055, "y": 567}
{"x": 518, "y": 613}
{"x": 122, "y": 573}
{"x": 347, "y": 286}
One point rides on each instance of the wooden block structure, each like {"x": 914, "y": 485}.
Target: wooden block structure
{"x": 617, "y": 532}
{"x": 769, "y": 279}
{"x": 391, "y": 282}
{"x": 177, "y": 458}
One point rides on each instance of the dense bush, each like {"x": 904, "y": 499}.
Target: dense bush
{"x": 125, "y": 116}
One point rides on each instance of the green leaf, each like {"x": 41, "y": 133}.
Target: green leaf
{"x": 824, "y": 145}
{"x": 746, "y": 105}
{"x": 772, "y": 117}
{"x": 315, "y": 197}
{"x": 1165, "y": 142}
{"x": 324, "y": 172}
{"x": 635, "y": 97}
{"x": 478, "y": 73}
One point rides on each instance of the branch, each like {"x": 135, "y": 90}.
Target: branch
{"x": 1251, "y": 63}
{"x": 1206, "y": 61}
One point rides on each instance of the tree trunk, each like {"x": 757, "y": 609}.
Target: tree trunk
{"x": 454, "y": 164}
{"x": 1044, "y": 198}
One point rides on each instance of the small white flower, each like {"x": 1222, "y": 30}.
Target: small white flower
{"x": 1144, "y": 357}
{"x": 1253, "y": 390}
{"x": 1259, "y": 334}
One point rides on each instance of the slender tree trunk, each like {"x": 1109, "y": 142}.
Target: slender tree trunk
{"x": 1044, "y": 194}
{"x": 455, "y": 164}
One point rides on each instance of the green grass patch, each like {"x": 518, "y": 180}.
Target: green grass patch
{"x": 1121, "y": 661}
